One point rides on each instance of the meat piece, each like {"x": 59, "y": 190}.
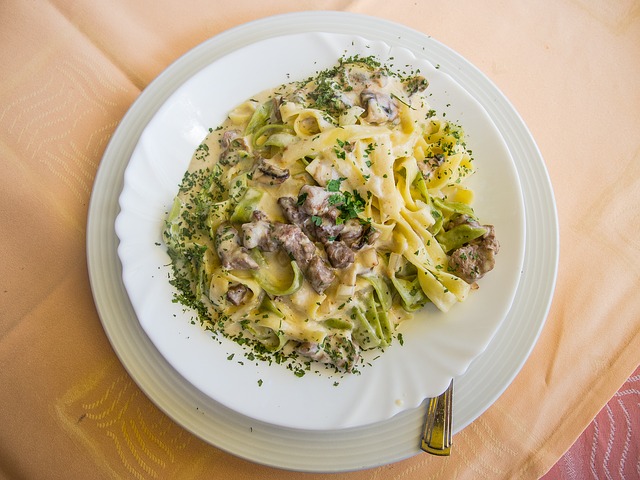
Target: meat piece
{"x": 472, "y": 261}
{"x": 380, "y": 107}
{"x": 237, "y": 294}
{"x": 316, "y": 200}
{"x": 304, "y": 252}
{"x": 489, "y": 240}
{"x": 233, "y": 255}
{"x": 291, "y": 211}
{"x": 322, "y": 228}
{"x": 325, "y": 228}
{"x": 295, "y": 243}
{"x": 335, "y": 350}
{"x": 339, "y": 255}
{"x": 313, "y": 350}
{"x": 269, "y": 236}
{"x": 319, "y": 274}
{"x": 317, "y": 216}
{"x": 353, "y": 230}
{"x": 266, "y": 172}
{"x": 259, "y": 233}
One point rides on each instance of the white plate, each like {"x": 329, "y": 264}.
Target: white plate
{"x": 342, "y": 449}
{"x": 436, "y": 346}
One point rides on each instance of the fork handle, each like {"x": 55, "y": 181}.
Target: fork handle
{"x": 436, "y": 438}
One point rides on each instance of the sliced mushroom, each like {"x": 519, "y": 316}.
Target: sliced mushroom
{"x": 380, "y": 107}
{"x": 234, "y": 147}
{"x": 237, "y": 294}
{"x": 276, "y": 116}
{"x": 357, "y": 235}
{"x": 266, "y": 172}
{"x": 429, "y": 165}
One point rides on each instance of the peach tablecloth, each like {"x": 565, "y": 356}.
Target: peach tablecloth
{"x": 69, "y": 71}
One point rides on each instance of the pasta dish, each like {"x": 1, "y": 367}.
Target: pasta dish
{"x": 323, "y": 213}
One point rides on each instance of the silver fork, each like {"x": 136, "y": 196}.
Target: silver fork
{"x": 436, "y": 437}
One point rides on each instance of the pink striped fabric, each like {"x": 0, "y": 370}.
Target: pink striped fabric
{"x": 609, "y": 448}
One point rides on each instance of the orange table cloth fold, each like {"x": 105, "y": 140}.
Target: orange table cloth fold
{"x": 70, "y": 70}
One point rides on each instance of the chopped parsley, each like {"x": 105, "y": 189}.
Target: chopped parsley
{"x": 334, "y": 184}
{"x": 353, "y": 205}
